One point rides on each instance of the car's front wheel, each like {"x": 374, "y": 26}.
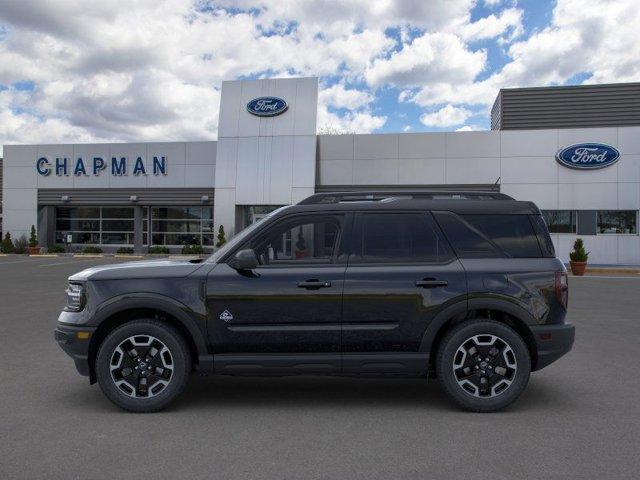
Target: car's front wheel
{"x": 143, "y": 365}
{"x": 483, "y": 365}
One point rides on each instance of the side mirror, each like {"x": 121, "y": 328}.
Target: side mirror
{"x": 244, "y": 260}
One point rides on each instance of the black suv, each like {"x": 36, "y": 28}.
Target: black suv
{"x": 461, "y": 286}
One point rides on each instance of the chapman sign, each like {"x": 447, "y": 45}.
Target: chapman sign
{"x": 118, "y": 166}
{"x": 588, "y": 156}
{"x": 267, "y": 106}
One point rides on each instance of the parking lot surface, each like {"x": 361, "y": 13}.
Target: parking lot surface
{"x": 578, "y": 418}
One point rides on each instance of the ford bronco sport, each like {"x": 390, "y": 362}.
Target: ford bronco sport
{"x": 461, "y": 286}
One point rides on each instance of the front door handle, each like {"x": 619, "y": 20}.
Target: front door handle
{"x": 313, "y": 284}
{"x": 431, "y": 283}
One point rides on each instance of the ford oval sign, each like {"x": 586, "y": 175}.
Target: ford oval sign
{"x": 588, "y": 156}
{"x": 267, "y": 106}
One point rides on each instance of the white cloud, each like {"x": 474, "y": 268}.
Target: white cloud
{"x": 407, "y": 128}
{"x": 433, "y": 57}
{"x": 340, "y": 97}
{"x": 469, "y": 128}
{"x": 447, "y": 116}
{"x": 509, "y": 22}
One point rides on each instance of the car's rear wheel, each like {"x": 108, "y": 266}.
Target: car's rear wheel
{"x": 143, "y": 365}
{"x": 483, "y": 365}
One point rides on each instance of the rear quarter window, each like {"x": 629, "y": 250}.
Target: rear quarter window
{"x": 491, "y": 235}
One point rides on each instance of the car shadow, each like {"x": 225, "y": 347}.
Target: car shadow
{"x": 304, "y": 392}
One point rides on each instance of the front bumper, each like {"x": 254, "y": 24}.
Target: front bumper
{"x": 75, "y": 342}
{"x": 552, "y": 342}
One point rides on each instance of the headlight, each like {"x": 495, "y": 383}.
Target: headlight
{"x": 75, "y": 297}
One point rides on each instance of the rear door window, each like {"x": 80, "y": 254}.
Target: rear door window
{"x": 399, "y": 238}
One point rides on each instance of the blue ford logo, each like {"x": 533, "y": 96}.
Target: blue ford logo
{"x": 588, "y": 156}
{"x": 267, "y": 106}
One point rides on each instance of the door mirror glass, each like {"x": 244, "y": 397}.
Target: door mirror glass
{"x": 244, "y": 260}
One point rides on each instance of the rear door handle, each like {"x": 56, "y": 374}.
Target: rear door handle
{"x": 431, "y": 283}
{"x": 313, "y": 284}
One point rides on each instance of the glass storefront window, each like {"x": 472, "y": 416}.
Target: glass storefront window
{"x": 618, "y": 222}
{"x": 95, "y": 225}
{"x": 189, "y": 225}
{"x": 560, "y": 221}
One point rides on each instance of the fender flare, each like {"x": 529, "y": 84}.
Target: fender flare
{"x": 156, "y": 301}
{"x": 494, "y": 303}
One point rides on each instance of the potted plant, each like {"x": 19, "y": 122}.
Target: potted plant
{"x": 301, "y": 246}
{"x": 33, "y": 249}
{"x": 7, "y": 244}
{"x": 221, "y": 237}
{"x": 579, "y": 258}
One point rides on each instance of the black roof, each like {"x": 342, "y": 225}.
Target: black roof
{"x": 457, "y": 202}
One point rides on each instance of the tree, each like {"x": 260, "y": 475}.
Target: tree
{"x": 221, "y": 237}
{"x": 7, "y": 244}
{"x": 33, "y": 238}
{"x": 579, "y": 254}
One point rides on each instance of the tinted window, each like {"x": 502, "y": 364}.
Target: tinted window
{"x": 560, "y": 221}
{"x": 303, "y": 240}
{"x": 544, "y": 239}
{"x": 467, "y": 241}
{"x": 514, "y": 234}
{"x": 400, "y": 237}
{"x": 617, "y": 221}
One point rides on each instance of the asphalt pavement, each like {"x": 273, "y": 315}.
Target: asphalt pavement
{"x": 578, "y": 418}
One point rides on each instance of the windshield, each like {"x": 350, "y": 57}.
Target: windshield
{"x": 241, "y": 237}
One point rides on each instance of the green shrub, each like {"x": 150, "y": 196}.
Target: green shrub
{"x": 33, "y": 238}
{"x": 7, "y": 244}
{"x": 192, "y": 250}
{"x": 20, "y": 245}
{"x": 579, "y": 254}
{"x": 125, "y": 251}
{"x": 91, "y": 249}
{"x": 57, "y": 248}
{"x": 159, "y": 249}
{"x": 221, "y": 238}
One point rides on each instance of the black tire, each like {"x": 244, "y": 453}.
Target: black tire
{"x": 492, "y": 393}
{"x": 169, "y": 381}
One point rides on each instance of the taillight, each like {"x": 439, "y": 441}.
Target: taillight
{"x": 562, "y": 288}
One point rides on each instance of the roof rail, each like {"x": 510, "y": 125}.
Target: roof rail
{"x": 378, "y": 196}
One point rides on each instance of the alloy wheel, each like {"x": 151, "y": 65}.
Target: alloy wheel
{"x": 484, "y": 366}
{"x": 141, "y": 366}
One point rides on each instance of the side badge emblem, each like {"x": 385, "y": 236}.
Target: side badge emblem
{"x": 226, "y": 316}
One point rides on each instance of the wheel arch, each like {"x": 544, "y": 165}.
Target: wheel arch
{"x": 120, "y": 311}
{"x": 501, "y": 310}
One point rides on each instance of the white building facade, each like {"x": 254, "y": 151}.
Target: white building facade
{"x": 268, "y": 154}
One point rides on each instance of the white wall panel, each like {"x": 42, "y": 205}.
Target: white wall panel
{"x": 19, "y": 177}
{"x": 529, "y": 170}
{"x": 375, "y": 146}
{"x": 629, "y": 196}
{"x": 230, "y": 107}
{"x": 375, "y": 172}
{"x": 545, "y": 196}
{"x": 588, "y": 196}
{"x": 412, "y": 171}
{"x": 629, "y": 168}
{"x": 200, "y": 153}
{"x": 335, "y": 147}
{"x": 629, "y": 249}
{"x": 571, "y": 136}
{"x": 629, "y": 140}
{"x": 473, "y": 144}
{"x": 529, "y": 143}
{"x": 422, "y": 145}
{"x": 306, "y": 106}
{"x": 304, "y": 161}
{"x": 473, "y": 170}
{"x": 336, "y": 172}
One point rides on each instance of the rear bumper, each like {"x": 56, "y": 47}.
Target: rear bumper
{"x": 552, "y": 342}
{"x": 75, "y": 346}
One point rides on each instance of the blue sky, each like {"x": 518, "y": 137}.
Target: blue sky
{"x": 77, "y": 71}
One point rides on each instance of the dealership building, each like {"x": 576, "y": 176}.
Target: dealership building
{"x": 574, "y": 151}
